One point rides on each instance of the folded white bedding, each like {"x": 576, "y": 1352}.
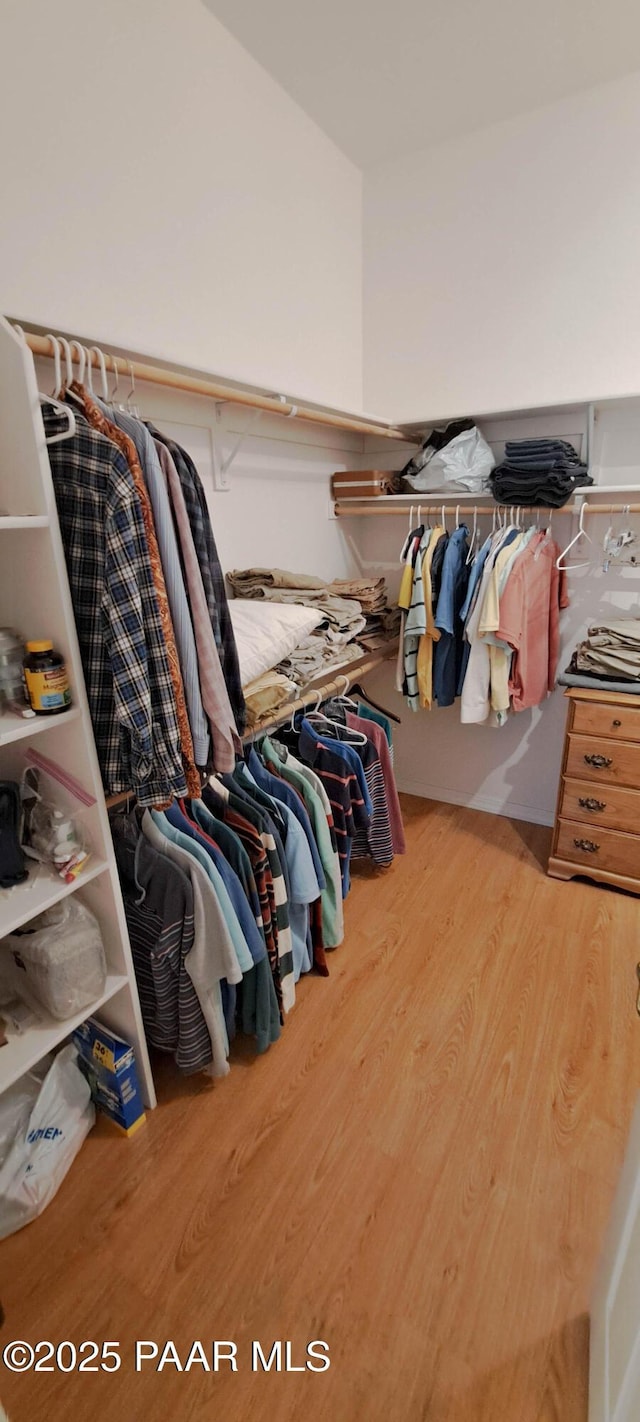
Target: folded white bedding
{"x": 265, "y": 632}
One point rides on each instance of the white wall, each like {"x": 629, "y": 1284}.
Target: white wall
{"x": 276, "y": 512}
{"x": 162, "y": 193}
{"x": 502, "y": 269}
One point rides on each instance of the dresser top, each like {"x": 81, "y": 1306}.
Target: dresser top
{"x": 606, "y": 698}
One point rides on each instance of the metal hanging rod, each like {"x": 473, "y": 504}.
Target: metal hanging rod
{"x": 176, "y": 380}
{"x": 350, "y": 509}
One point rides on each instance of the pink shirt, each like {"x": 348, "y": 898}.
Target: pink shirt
{"x": 530, "y": 621}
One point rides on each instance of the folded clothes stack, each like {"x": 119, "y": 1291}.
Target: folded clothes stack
{"x": 314, "y": 656}
{"x": 538, "y": 472}
{"x": 609, "y": 656}
{"x": 266, "y": 694}
{"x": 350, "y": 608}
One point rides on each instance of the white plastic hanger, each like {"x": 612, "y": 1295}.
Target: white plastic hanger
{"x": 582, "y": 533}
{"x": 116, "y": 387}
{"x": 51, "y": 399}
{"x": 470, "y": 554}
{"x": 67, "y": 359}
{"x": 57, "y": 364}
{"x": 103, "y": 370}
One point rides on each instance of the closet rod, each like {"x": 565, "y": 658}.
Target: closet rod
{"x": 352, "y": 671}
{"x": 175, "y": 380}
{"x": 346, "y": 509}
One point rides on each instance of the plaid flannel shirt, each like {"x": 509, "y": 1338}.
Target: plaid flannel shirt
{"x": 211, "y": 571}
{"x": 124, "y": 657}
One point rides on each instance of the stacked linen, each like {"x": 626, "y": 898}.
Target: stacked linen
{"x": 538, "y": 472}
{"x": 264, "y": 634}
{"x": 611, "y": 651}
{"x": 345, "y": 608}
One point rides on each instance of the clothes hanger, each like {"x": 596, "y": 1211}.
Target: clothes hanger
{"x": 364, "y": 696}
{"x": 582, "y": 533}
{"x": 57, "y": 365}
{"x": 58, "y": 405}
{"x": 112, "y": 399}
{"x": 132, "y": 409}
{"x": 470, "y": 554}
{"x": 103, "y": 371}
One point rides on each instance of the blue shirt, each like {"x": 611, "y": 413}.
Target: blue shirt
{"x": 231, "y": 885}
{"x": 286, "y": 794}
{"x": 448, "y": 651}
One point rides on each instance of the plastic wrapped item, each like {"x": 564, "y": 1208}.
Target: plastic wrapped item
{"x": 43, "y": 1122}
{"x": 458, "y": 462}
{"x": 57, "y": 960}
{"x": 51, "y": 835}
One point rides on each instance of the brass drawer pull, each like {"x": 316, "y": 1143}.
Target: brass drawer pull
{"x": 586, "y": 803}
{"x": 599, "y": 762}
{"x": 587, "y": 845}
{"x": 616, "y": 723}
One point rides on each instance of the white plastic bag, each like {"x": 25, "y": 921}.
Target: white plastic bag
{"x": 464, "y": 465}
{"x": 42, "y": 1126}
{"x": 57, "y": 960}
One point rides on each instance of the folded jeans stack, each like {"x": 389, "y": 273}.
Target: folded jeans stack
{"x": 538, "y": 472}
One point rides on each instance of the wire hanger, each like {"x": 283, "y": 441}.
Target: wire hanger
{"x": 582, "y": 533}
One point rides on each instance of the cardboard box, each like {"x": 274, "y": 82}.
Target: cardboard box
{"x": 109, "y": 1065}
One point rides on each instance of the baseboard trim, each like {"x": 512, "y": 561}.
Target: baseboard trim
{"x": 491, "y": 806}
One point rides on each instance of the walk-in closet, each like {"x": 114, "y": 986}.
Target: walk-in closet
{"x": 319, "y": 713}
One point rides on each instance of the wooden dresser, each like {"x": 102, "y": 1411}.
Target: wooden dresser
{"x": 597, "y": 828}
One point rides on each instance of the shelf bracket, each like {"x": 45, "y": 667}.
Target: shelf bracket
{"x": 222, "y": 464}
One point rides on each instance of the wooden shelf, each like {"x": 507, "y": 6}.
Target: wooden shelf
{"x": 24, "y": 1051}
{"x": 352, "y": 671}
{"x": 40, "y": 891}
{"x": 16, "y": 728}
{"x": 13, "y": 521}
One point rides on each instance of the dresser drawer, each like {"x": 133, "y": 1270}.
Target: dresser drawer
{"x": 594, "y": 805}
{"x": 596, "y": 848}
{"x": 609, "y": 762}
{"x": 621, "y": 723}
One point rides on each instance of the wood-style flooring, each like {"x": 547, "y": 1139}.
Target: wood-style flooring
{"x": 419, "y": 1173}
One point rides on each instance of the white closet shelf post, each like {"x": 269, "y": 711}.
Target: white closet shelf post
{"x": 35, "y": 600}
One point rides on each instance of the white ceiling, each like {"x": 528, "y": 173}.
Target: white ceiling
{"x": 384, "y": 79}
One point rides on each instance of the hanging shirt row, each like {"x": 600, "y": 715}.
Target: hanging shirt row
{"x": 232, "y": 895}
{"x": 155, "y": 635}
{"x": 480, "y": 625}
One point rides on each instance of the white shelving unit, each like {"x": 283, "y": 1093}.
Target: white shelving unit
{"x": 35, "y": 601}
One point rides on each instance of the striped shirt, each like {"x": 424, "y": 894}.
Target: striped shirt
{"x": 158, "y": 901}
{"x": 341, "y": 784}
{"x": 245, "y": 804}
{"x": 217, "y": 800}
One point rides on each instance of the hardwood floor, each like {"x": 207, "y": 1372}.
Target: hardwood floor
{"x": 419, "y": 1173}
